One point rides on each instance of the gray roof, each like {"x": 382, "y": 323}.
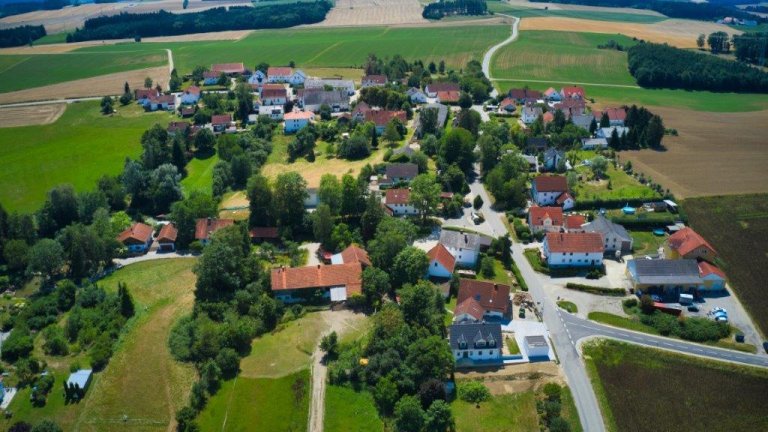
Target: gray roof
{"x": 537, "y": 143}
{"x": 536, "y": 340}
{"x": 594, "y": 142}
{"x": 603, "y": 226}
{"x": 474, "y": 333}
{"x": 665, "y": 271}
{"x": 456, "y": 240}
{"x": 582, "y": 120}
{"x": 402, "y": 170}
{"x": 442, "y": 115}
{"x": 532, "y": 111}
{"x": 81, "y": 378}
{"x": 608, "y": 131}
{"x": 320, "y": 96}
{"x": 348, "y": 85}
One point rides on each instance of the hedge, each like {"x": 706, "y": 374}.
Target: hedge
{"x": 619, "y": 292}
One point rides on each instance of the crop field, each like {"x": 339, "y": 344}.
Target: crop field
{"x": 597, "y": 15}
{"x": 78, "y": 148}
{"x": 18, "y": 72}
{"x": 737, "y": 226}
{"x": 348, "y": 410}
{"x": 372, "y": 12}
{"x": 325, "y": 48}
{"x": 30, "y": 115}
{"x": 563, "y": 56}
{"x": 643, "y": 389}
{"x": 259, "y": 404}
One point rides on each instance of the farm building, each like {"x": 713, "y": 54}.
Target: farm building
{"x": 476, "y": 342}
{"x": 573, "y": 249}
{"x": 594, "y": 143}
{"x": 313, "y": 99}
{"x": 335, "y": 282}
{"x": 228, "y": 68}
{"x": 80, "y": 379}
{"x": 137, "y": 238}
{"x": 668, "y": 276}
{"x": 337, "y": 84}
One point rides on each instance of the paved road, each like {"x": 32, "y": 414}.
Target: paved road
{"x": 489, "y": 54}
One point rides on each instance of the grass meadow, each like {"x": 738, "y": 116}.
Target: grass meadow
{"x": 597, "y": 15}
{"x": 737, "y": 226}
{"x": 18, "y": 72}
{"x": 622, "y": 185}
{"x": 643, "y": 389}
{"x": 348, "y": 410}
{"x": 259, "y": 404}
{"x": 81, "y": 146}
{"x": 502, "y": 413}
{"x": 200, "y": 174}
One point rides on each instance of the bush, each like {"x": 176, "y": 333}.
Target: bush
{"x": 477, "y": 203}
{"x": 18, "y": 345}
{"x": 596, "y": 290}
{"x": 702, "y": 330}
{"x": 487, "y": 269}
{"x": 630, "y": 303}
{"x": 474, "y": 392}
{"x": 229, "y": 362}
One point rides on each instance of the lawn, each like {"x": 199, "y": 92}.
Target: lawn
{"x": 643, "y": 389}
{"x": 534, "y": 258}
{"x": 200, "y": 174}
{"x": 568, "y": 306}
{"x": 259, "y": 404}
{"x": 348, "y": 410}
{"x": 18, "y": 72}
{"x": 616, "y": 184}
{"x": 81, "y": 146}
{"x": 499, "y": 274}
{"x": 562, "y": 56}
{"x": 526, "y": 12}
{"x": 504, "y": 413}
{"x": 331, "y": 47}
{"x": 645, "y": 242}
{"x": 737, "y": 227}
{"x": 620, "y": 321}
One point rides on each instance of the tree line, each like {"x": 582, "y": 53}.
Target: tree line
{"x": 8, "y": 9}
{"x": 750, "y": 47}
{"x": 656, "y": 65}
{"x": 162, "y": 23}
{"x": 22, "y": 35}
{"x": 440, "y": 9}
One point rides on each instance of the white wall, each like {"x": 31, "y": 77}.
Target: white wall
{"x": 464, "y": 257}
{"x": 478, "y": 354}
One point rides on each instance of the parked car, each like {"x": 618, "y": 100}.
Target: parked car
{"x": 739, "y": 338}
{"x": 693, "y": 308}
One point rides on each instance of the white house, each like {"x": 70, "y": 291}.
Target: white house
{"x": 258, "y": 78}
{"x": 536, "y": 346}
{"x": 210, "y": 78}
{"x": 608, "y": 132}
{"x": 162, "y": 102}
{"x": 441, "y": 262}
{"x": 551, "y": 190}
{"x": 416, "y": 95}
{"x": 295, "y": 121}
{"x": 373, "y": 81}
{"x": 594, "y": 143}
{"x": 336, "y": 84}
{"x": 530, "y": 114}
{"x": 297, "y": 77}
{"x": 398, "y": 201}
{"x": 274, "y": 94}
{"x": 279, "y": 74}
{"x": 615, "y": 237}
{"x": 573, "y": 249}
{"x": 549, "y": 219}
{"x": 465, "y": 247}
{"x": 137, "y": 238}
{"x": 476, "y": 342}
{"x": 274, "y": 112}
{"x": 191, "y": 95}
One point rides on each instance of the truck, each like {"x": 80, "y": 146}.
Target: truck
{"x": 686, "y": 299}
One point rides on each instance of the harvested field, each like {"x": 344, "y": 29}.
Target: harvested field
{"x": 96, "y": 86}
{"x": 643, "y": 389}
{"x": 697, "y": 163}
{"x": 737, "y": 226}
{"x": 30, "y": 115}
{"x": 677, "y": 32}
{"x": 373, "y": 12}
{"x": 573, "y": 7}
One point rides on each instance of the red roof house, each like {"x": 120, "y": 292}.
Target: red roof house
{"x": 687, "y": 243}
{"x": 545, "y": 218}
{"x": 137, "y": 237}
{"x": 263, "y": 233}
{"x": 573, "y": 93}
{"x": 397, "y": 196}
{"x": 207, "y": 226}
{"x": 493, "y": 298}
{"x": 574, "y": 242}
{"x": 382, "y": 117}
{"x": 166, "y": 238}
{"x": 228, "y": 68}
{"x": 352, "y": 254}
{"x": 574, "y": 222}
{"x": 338, "y": 281}
{"x": 441, "y": 262}
{"x": 449, "y": 96}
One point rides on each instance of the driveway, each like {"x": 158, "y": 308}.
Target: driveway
{"x": 312, "y": 249}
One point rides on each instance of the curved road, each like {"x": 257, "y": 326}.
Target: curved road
{"x": 491, "y": 51}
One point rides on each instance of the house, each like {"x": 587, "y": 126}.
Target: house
{"x": 274, "y": 112}
{"x": 262, "y": 234}
{"x": 572, "y": 93}
{"x": 330, "y": 83}
{"x": 583, "y": 121}
{"x": 665, "y": 275}
{"x": 187, "y": 111}
{"x": 536, "y": 347}
{"x": 374, "y": 81}
{"x": 400, "y": 173}
{"x": 574, "y": 223}
{"x": 594, "y": 143}
{"x": 229, "y": 69}
{"x": 477, "y": 342}
{"x": 687, "y": 243}
{"x": 712, "y": 277}
{"x": 297, "y": 120}
{"x": 616, "y": 116}
{"x": 465, "y": 247}
{"x": 178, "y": 127}
{"x": 166, "y": 238}
{"x": 448, "y": 97}
{"x": 335, "y": 282}
{"x": 553, "y": 158}
{"x": 297, "y": 77}
{"x": 551, "y": 94}
{"x": 548, "y": 117}
{"x": 221, "y": 122}
{"x": 191, "y": 95}
{"x": 547, "y": 190}
{"x": 441, "y": 262}
{"x": 433, "y": 88}
{"x": 274, "y": 94}
{"x": 508, "y": 105}
{"x": 549, "y": 219}
{"x": 352, "y": 254}
{"x": 615, "y": 237}
{"x": 530, "y": 114}
{"x": 399, "y": 202}
{"x": 210, "y": 78}
{"x": 279, "y": 74}
{"x": 573, "y": 249}
{"x": 607, "y": 133}
{"x": 205, "y": 227}
{"x": 525, "y": 95}
{"x": 137, "y": 238}
{"x": 533, "y": 162}
{"x": 382, "y": 117}
{"x": 415, "y": 95}
{"x": 257, "y": 78}
{"x": 162, "y": 102}
{"x": 492, "y": 299}
{"x": 442, "y": 116}
{"x": 313, "y": 99}
{"x": 143, "y": 96}
{"x": 535, "y": 145}
{"x": 360, "y": 110}
{"x": 80, "y": 379}
{"x": 572, "y": 107}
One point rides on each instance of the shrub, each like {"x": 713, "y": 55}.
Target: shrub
{"x": 487, "y": 267}
{"x": 630, "y": 303}
{"x": 596, "y": 290}
{"x": 474, "y": 392}
{"x": 477, "y": 203}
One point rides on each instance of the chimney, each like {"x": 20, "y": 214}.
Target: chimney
{"x": 318, "y": 266}
{"x": 466, "y": 239}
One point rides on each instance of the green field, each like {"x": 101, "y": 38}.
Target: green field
{"x": 505, "y": 413}
{"x": 643, "y": 389}
{"x": 646, "y": 242}
{"x": 623, "y": 322}
{"x": 18, "y": 72}
{"x": 622, "y": 185}
{"x": 526, "y": 12}
{"x": 200, "y": 174}
{"x": 348, "y": 410}
{"x": 81, "y": 146}
{"x": 346, "y": 47}
{"x": 52, "y": 39}
{"x": 259, "y": 404}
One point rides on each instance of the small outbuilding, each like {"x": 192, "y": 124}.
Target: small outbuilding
{"x": 80, "y": 379}
{"x": 536, "y": 347}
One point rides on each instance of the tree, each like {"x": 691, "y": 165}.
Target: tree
{"x": 322, "y": 225}
{"x": 458, "y": 146}
{"x": 175, "y": 82}
{"x": 425, "y": 194}
{"x": 409, "y": 417}
{"x": 487, "y": 269}
{"x": 605, "y": 121}
{"x": 329, "y": 344}
{"x": 107, "y": 105}
{"x": 20, "y": 426}
{"x": 441, "y": 67}
{"x": 17, "y": 345}
{"x": 329, "y": 192}
{"x": 288, "y": 199}
{"x": 228, "y": 361}
{"x": 470, "y": 120}
{"x": 15, "y": 253}
{"x": 654, "y": 133}
{"x": 185, "y": 213}
{"x": 127, "y": 308}
{"x": 375, "y": 285}
{"x": 185, "y": 4}
{"x": 165, "y": 187}
{"x": 701, "y": 40}
{"x": 599, "y": 166}
{"x": 374, "y": 138}
{"x": 428, "y": 122}
{"x": 430, "y": 391}
{"x": 147, "y": 82}
{"x": 205, "y": 141}
{"x": 465, "y": 101}
{"x": 646, "y": 304}
{"x": 45, "y": 257}
{"x": 439, "y": 417}
{"x": 614, "y": 142}
{"x": 474, "y": 392}
{"x": 391, "y": 132}
{"x": 392, "y": 235}
{"x": 371, "y": 217}
{"x": 409, "y": 266}
{"x": 490, "y": 151}
{"x": 352, "y": 195}
{"x": 354, "y": 148}
{"x": 325, "y": 112}
{"x": 477, "y": 203}
{"x": 260, "y": 199}
{"x": 386, "y": 395}
{"x": 593, "y": 126}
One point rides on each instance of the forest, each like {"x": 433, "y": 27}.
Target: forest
{"x": 22, "y": 35}
{"x": 672, "y": 9}
{"x": 457, "y": 7}
{"x": 751, "y": 47}
{"x": 663, "y": 66}
{"x": 163, "y": 23}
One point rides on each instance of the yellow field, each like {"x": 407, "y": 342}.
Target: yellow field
{"x": 31, "y": 115}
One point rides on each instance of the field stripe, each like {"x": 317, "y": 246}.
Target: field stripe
{"x": 567, "y": 82}
{"x": 15, "y": 64}
{"x": 323, "y": 52}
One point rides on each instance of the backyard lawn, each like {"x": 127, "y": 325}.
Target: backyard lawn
{"x": 646, "y": 242}
{"x": 616, "y": 184}
{"x": 504, "y": 413}
{"x": 349, "y": 410}
{"x": 199, "y": 174}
